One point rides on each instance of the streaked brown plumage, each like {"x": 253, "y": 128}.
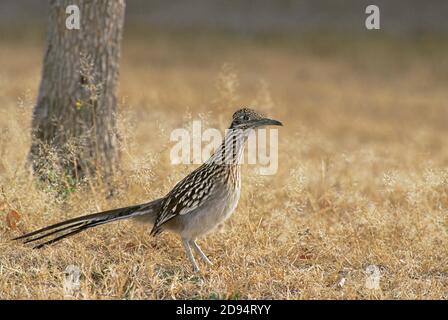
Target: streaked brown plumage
{"x": 196, "y": 205}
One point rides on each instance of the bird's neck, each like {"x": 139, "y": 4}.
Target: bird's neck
{"x": 230, "y": 152}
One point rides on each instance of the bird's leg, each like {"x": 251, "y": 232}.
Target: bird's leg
{"x": 200, "y": 253}
{"x": 187, "y": 247}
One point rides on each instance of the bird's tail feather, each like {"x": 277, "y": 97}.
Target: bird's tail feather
{"x": 70, "y": 227}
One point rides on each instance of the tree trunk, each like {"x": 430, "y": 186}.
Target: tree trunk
{"x": 74, "y": 126}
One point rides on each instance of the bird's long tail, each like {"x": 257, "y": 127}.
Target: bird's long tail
{"x": 146, "y": 212}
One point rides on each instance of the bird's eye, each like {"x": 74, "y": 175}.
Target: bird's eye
{"x": 245, "y": 117}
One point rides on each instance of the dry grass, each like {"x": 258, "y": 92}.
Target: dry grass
{"x": 363, "y": 172}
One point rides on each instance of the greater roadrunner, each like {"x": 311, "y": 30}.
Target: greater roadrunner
{"x": 196, "y": 205}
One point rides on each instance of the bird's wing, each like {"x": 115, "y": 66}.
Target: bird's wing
{"x": 189, "y": 194}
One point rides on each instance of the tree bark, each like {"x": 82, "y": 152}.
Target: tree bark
{"x": 74, "y": 125}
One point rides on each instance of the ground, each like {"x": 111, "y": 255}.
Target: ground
{"x": 362, "y": 181}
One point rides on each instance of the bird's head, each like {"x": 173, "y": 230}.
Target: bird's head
{"x": 246, "y": 118}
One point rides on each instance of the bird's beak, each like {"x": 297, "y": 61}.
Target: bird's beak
{"x": 268, "y": 122}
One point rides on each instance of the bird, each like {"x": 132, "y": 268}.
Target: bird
{"x": 195, "y": 206}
